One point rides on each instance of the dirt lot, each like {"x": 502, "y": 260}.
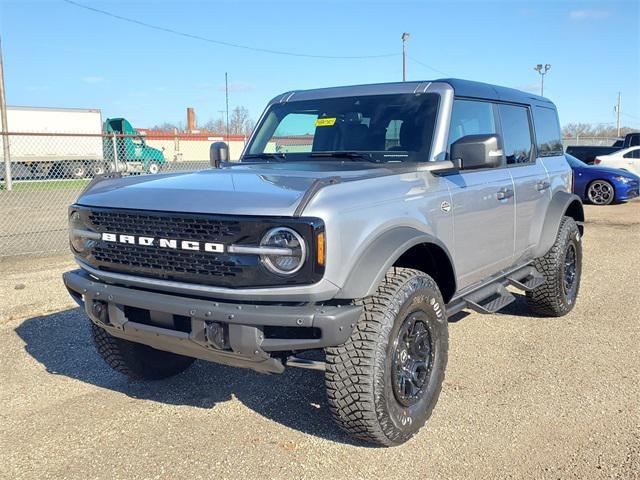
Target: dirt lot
{"x": 524, "y": 397}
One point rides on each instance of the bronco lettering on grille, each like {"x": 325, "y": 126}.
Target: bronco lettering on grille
{"x": 164, "y": 243}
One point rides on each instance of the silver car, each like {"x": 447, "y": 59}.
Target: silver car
{"x": 357, "y": 221}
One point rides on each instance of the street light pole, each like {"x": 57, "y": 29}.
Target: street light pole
{"x": 618, "y": 107}
{"x": 542, "y": 70}
{"x": 226, "y": 94}
{"x": 5, "y": 138}
{"x": 405, "y": 37}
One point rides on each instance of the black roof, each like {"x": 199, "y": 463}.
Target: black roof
{"x": 467, "y": 88}
{"x": 461, "y": 88}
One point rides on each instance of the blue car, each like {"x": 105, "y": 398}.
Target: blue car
{"x": 602, "y": 185}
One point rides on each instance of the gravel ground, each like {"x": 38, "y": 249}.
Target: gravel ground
{"x": 524, "y": 397}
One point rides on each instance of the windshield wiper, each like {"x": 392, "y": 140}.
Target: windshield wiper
{"x": 265, "y": 156}
{"x": 352, "y": 155}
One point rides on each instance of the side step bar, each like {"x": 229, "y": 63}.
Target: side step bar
{"x": 494, "y": 296}
{"x": 490, "y": 299}
{"x": 526, "y": 279}
{"x": 298, "y": 362}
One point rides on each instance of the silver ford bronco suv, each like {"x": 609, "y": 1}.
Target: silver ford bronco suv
{"x": 358, "y": 220}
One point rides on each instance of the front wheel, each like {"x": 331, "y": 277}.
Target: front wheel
{"x": 601, "y": 192}
{"x": 135, "y": 360}
{"x": 561, "y": 267}
{"x": 153, "y": 168}
{"x": 384, "y": 382}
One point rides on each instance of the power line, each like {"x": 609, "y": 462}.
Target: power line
{"x": 221, "y": 42}
{"x": 629, "y": 115}
{"x": 429, "y": 66}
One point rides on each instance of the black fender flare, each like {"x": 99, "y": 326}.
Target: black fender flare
{"x": 380, "y": 255}
{"x": 562, "y": 203}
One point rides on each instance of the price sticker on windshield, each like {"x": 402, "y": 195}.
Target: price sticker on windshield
{"x": 325, "y": 122}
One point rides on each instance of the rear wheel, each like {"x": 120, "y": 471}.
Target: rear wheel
{"x": 136, "y": 360}
{"x": 99, "y": 168}
{"x": 76, "y": 170}
{"x": 600, "y": 192}
{"x": 384, "y": 382}
{"x": 562, "y": 268}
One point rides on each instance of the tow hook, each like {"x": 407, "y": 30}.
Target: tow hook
{"x": 99, "y": 312}
{"x": 216, "y": 336}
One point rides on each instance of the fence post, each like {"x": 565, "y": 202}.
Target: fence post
{"x": 7, "y": 161}
{"x": 114, "y": 146}
{"x": 5, "y": 128}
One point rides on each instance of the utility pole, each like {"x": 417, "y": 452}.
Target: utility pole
{"x": 617, "y": 109}
{"x": 542, "y": 70}
{"x": 226, "y": 92}
{"x": 5, "y": 138}
{"x": 405, "y": 37}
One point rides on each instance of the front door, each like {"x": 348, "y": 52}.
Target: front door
{"x": 483, "y": 202}
{"x": 483, "y": 213}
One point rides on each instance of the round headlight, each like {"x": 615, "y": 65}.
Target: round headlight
{"x": 288, "y": 239}
{"x": 75, "y": 223}
{"x": 79, "y": 237}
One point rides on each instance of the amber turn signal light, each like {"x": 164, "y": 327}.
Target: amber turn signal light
{"x": 320, "y": 242}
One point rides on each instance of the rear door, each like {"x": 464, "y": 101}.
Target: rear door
{"x": 482, "y": 201}
{"x": 531, "y": 182}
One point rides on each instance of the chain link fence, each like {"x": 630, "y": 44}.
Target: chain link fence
{"x": 589, "y": 141}
{"x": 48, "y": 172}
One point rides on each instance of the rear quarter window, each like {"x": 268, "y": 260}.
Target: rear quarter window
{"x": 548, "y": 133}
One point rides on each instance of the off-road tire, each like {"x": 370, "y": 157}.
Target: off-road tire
{"x": 136, "y": 360}
{"x": 551, "y": 299}
{"x": 359, "y": 382}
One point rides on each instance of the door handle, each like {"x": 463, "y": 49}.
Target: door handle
{"x": 540, "y": 186}
{"x": 504, "y": 194}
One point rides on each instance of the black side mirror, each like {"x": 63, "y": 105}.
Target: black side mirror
{"x": 218, "y": 153}
{"x": 477, "y": 151}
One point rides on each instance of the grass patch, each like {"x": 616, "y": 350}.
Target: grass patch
{"x": 31, "y": 185}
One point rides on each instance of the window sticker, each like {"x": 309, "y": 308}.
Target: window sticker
{"x": 325, "y": 122}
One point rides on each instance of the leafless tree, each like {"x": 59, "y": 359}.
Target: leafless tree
{"x": 573, "y": 130}
{"x": 215, "y": 126}
{"x": 240, "y": 123}
{"x": 168, "y": 127}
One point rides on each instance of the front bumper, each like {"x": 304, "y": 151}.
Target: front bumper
{"x": 626, "y": 191}
{"x": 250, "y": 333}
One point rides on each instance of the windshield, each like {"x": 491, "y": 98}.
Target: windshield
{"x": 379, "y": 128}
{"x": 574, "y": 162}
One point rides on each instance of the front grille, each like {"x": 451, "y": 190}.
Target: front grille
{"x": 210, "y": 268}
{"x": 166, "y": 226}
{"x": 169, "y": 262}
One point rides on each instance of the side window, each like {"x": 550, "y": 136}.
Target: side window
{"x": 470, "y": 117}
{"x": 295, "y": 133}
{"x": 548, "y": 134}
{"x": 635, "y": 140}
{"x": 632, "y": 154}
{"x": 516, "y": 133}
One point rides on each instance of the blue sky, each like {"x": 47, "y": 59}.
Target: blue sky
{"x": 59, "y": 55}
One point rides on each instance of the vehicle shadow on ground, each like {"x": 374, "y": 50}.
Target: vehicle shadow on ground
{"x": 62, "y": 343}
{"x": 519, "y": 308}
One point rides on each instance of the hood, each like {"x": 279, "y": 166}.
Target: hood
{"x": 592, "y": 170}
{"x": 264, "y": 189}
